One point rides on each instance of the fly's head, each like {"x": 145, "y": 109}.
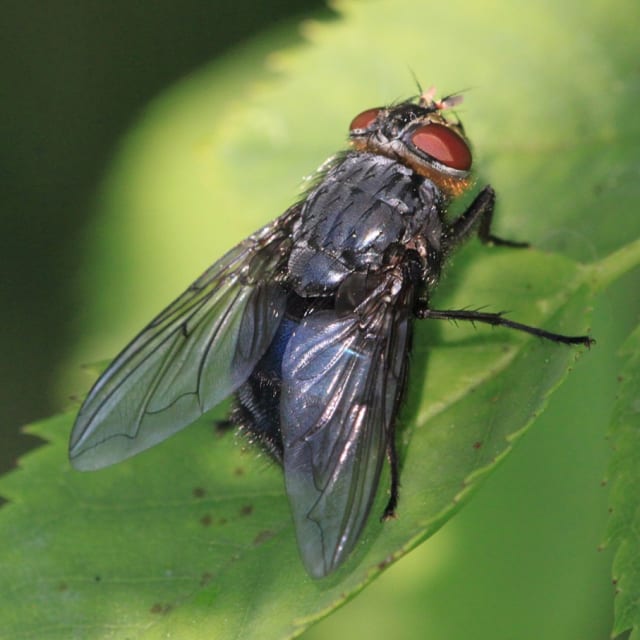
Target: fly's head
{"x": 418, "y": 135}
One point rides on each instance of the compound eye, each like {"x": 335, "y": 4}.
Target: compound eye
{"x": 443, "y": 145}
{"x": 363, "y": 120}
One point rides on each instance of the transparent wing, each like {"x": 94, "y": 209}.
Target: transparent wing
{"x": 190, "y": 357}
{"x": 342, "y": 380}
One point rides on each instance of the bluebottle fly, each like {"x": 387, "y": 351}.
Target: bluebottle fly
{"x": 308, "y": 323}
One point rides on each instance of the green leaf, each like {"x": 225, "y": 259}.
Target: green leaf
{"x": 193, "y": 538}
{"x": 624, "y": 478}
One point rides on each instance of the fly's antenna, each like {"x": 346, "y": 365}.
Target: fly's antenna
{"x": 450, "y": 101}
{"x": 454, "y": 99}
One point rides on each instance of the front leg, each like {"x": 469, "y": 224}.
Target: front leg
{"x": 479, "y": 212}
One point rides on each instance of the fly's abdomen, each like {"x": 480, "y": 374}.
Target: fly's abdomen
{"x": 257, "y": 400}
{"x": 364, "y": 204}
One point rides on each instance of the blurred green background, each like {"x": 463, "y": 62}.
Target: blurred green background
{"x": 517, "y": 562}
{"x": 75, "y": 77}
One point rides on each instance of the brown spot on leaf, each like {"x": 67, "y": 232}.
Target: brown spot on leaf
{"x": 477, "y": 444}
{"x": 382, "y": 565}
{"x": 263, "y": 536}
{"x": 206, "y": 578}
{"x": 62, "y": 586}
{"x": 160, "y": 608}
{"x": 220, "y": 427}
{"x": 199, "y": 492}
{"x": 205, "y": 521}
{"x": 246, "y": 510}
{"x": 239, "y": 471}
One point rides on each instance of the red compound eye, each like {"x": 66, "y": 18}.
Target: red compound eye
{"x": 364, "y": 120}
{"x": 444, "y": 145}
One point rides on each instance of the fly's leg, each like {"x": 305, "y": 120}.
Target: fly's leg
{"x": 392, "y": 454}
{"x": 498, "y": 320}
{"x": 479, "y": 215}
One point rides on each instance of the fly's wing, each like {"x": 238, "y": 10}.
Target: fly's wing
{"x": 189, "y": 358}
{"x": 342, "y": 378}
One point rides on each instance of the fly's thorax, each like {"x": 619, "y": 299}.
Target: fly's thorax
{"x": 363, "y": 205}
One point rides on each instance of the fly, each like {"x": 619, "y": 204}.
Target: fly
{"x": 308, "y": 324}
